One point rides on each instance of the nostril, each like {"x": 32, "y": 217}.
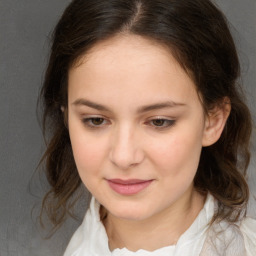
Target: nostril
{"x": 126, "y": 159}
{"x": 126, "y": 152}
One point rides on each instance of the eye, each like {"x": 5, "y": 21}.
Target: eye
{"x": 161, "y": 123}
{"x": 158, "y": 122}
{"x": 94, "y": 122}
{"x": 97, "y": 121}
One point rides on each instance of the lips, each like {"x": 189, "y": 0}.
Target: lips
{"x": 128, "y": 187}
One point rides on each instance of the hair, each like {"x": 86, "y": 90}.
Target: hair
{"x": 198, "y": 36}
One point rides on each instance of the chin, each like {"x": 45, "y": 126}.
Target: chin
{"x": 130, "y": 213}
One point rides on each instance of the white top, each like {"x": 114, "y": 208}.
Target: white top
{"x": 222, "y": 239}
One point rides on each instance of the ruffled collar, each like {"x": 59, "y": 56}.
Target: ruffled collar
{"x": 91, "y": 236}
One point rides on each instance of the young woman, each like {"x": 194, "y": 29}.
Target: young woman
{"x": 142, "y": 106}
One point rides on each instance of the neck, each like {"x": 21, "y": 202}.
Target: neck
{"x": 162, "y": 229}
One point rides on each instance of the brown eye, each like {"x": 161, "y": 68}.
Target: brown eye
{"x": 158, "y": 122}
{"x": 161, "y": 123}
{"x": 97, "y": 121}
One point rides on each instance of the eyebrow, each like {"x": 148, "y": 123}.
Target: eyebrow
{"x": 142, "y": 109}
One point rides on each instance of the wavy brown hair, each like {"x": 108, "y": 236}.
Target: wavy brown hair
{"x": 198, "y": 35}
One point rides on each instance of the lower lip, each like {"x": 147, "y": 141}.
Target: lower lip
{"x": 129, "y": 189}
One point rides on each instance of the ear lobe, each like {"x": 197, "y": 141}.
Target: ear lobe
{"x": 65, "y": 115}
{"x": 215, "y": 122}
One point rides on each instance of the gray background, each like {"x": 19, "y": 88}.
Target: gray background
{"x": 25, "y": 26}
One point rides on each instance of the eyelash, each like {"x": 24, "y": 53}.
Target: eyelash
{"x": 88, "y": 122}
{"x": 168, "y": 122}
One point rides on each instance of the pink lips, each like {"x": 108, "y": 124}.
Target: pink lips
{"x": 128, "y": 187}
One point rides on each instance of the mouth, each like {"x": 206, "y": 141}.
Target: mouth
{"x": 128, "y": 187}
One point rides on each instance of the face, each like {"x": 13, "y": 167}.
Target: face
{"x": 136, "y": 126}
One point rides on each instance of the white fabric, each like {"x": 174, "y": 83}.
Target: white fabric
{"x": 222, "y": 239}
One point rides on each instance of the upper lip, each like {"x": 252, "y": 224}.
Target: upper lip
{"x": 127, "y": 182}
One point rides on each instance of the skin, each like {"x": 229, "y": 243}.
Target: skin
{"x": 123, "y": 74}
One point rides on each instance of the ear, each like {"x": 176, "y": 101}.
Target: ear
{"x": 65, "y": 115}
{"x": 215, "y": 122}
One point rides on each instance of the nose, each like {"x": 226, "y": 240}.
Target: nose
{"x": 125, "y": 150}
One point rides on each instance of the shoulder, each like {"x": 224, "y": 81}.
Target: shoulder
{"x": 232, "y": 239}
{"x": 90, "y": 238}
{"x": 248, "y": 229}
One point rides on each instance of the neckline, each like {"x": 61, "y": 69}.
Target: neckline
{"x": 196, "y": 229}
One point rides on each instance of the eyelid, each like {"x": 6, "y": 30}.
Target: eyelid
{"x": 87, "y": 121}
{"x": 167, "y": 121}
{"x": 170, "y": 122}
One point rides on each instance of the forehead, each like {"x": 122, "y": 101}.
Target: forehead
{"x": 130, "y": 66}
{"x": 123, "y": 46}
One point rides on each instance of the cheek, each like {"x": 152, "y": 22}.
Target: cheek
{"x": 86, "y": 154}
{"x": 177, "y": 154}
{"x": 88, "y": 151}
